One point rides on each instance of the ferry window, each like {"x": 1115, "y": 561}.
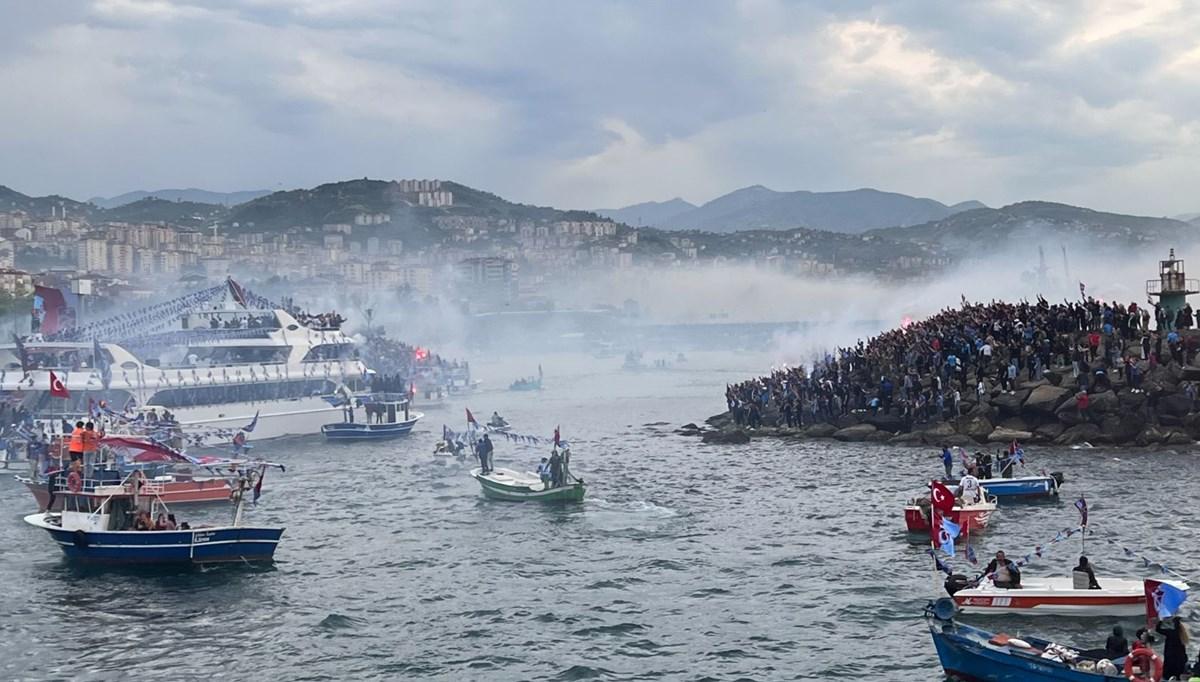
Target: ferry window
{"x": 328, "y": 351}
{"x": 241, "y": 393}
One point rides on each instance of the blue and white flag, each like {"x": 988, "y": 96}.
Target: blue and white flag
{"x": 1165, "y": 598}
{"x": 949, "y": 531}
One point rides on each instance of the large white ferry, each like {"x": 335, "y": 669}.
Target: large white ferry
{"x": 218, "y": 367}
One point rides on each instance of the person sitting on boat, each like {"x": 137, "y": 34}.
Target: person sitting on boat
{"x": 497, "y": 420}
{"x": 1116, "y": 646}
{"x": 170, "y": 523}
{"x": 543, "y": 472}
{"x": 161, "y": 522}
{"x": 1083, "y": 577}
{"x": 970, "y": 490}
{"x": 1004, "y": 572}
{"x": 983, "y": 465}
{"x": 142, "y": 521}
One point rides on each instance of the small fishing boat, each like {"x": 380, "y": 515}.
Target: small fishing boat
{"x": 97, "y": 526}
{"x": 386, "y": 416}
{"x": 528, "y": 383}
{"x": 633, "y": 362}
{"x": 969, "y": 517}
{"x": 972, "y": 653}
{"x": 513, "y": 486}
{"x": 1118, "y": 597}
{"x": 1046, "y": 485}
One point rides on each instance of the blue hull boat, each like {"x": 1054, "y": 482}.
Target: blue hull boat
{"x": 1026, "y": 486}
{"x": 970, "y": 653}
{"x": 347, "y": 431}
{"x": 196, "y": 546}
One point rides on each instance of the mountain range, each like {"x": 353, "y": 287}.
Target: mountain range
{"x": 760, "y": 208}
{"x": 199, "y": 196}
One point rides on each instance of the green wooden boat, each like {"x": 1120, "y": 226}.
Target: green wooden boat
{"x": 513, "y": 486}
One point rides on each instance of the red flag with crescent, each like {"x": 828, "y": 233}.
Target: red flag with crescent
{"x": 941, "y": 497}
{"x": 57, "y": 388}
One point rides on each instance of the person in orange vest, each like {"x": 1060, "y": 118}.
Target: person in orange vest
{"x": 91, "y": 442}
{"x": 76, "y": 444}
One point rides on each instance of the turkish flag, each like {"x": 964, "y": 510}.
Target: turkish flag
{"x": 57, "y": 388}
{"x": 941, "y": 497}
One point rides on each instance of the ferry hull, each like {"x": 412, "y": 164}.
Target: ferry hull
{"x": 276, "y": 418}
{"x": 181, "y": 547}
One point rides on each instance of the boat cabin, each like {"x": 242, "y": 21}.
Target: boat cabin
{"x": 108, "y": 506}
{"x": 386, "y": 408}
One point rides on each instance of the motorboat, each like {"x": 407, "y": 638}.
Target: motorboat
{"x": 1117, "y": 597}
{"x": 514, "y": 486}
{"x": 971, "y": 518}
{"x": 528, "y": 383}
{"x": 972, "y": 653}
{"x": 386, "y": 416}
{"x": 98, "y": 521}
{"x": 1045, "y": 485}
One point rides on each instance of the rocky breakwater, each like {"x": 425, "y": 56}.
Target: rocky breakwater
{"x": 1160, "y": 410}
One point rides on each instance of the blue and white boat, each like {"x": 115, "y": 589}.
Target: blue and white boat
{"x": 1046, "y": 485}
{"x": 971, "y": 653}
{"x": 386, "y": 416}
{"x": 102, "y": 524}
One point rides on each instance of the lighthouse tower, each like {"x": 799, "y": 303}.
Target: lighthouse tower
{"x": 1172, "y": 287}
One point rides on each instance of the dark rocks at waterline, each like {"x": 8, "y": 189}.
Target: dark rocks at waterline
{"x": 1161, "y": 411}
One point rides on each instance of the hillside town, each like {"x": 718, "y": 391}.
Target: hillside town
{"x": 422, "y": 236}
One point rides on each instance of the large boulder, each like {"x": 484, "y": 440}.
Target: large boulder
{"x": 846, "y": 421}
{"x": 892, "y": 423}
{"x": 1131, "y": 399}
{"x": 1122, "y": 428}
{"x": 1191, "y": 424}
{"x": 1104, "y": 402}
{"x": 1178, "y": 438}
{"x": 1054, "y": 376}
{"x": 856, "y": 433}
{"x": 983, "y": 409}
{"x": 1009, "y": 404}
{"x": 1049, "y": 431}
{"x": 1015, "y": 424}
{"x": 821, "y": 430}
{"x": 734, "y": 437}
{"x": 1080, "y": 433}
{"x": 977, "y": 428}
{"x": 1003, "y": 435}
{"x": 1044, "y": 400}
{"x": 1176, "y": 404}
{"x": 1151, "y": 435}
{"x": 910, "y": 438}
{"x": 935, "y": 430}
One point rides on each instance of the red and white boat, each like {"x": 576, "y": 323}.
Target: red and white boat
{"x": 971, "y": 518}
{"x": 175, "y": 489}
{"x": 1118, "y": 597}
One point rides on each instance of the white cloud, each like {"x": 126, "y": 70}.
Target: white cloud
{"x": 582, "y": 105}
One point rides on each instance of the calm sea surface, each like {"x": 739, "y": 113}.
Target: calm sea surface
{"x": 771, "y": 561}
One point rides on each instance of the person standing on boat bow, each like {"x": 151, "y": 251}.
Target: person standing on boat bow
{"x": 485, "y": 449}
{"x": 556, "y": 469}
{"x": 948, "y": 461}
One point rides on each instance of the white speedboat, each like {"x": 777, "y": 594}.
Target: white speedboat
{"x": 1118, "y": 597}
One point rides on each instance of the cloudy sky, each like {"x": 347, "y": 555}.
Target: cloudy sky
{"x": 597, "y": 104}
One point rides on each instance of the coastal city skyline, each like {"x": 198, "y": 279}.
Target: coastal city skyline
{"x": 1084, "y": 106}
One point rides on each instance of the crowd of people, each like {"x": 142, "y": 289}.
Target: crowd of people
{"x": 926, "y": 370}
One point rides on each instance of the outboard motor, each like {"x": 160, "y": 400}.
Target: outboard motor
{"x": 1058, "y": 478}
{"x": 955, "y": 583}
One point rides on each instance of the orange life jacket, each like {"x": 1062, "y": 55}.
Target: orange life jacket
{"x": 91, "y": 441}
{"x": 77, "y": 439}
